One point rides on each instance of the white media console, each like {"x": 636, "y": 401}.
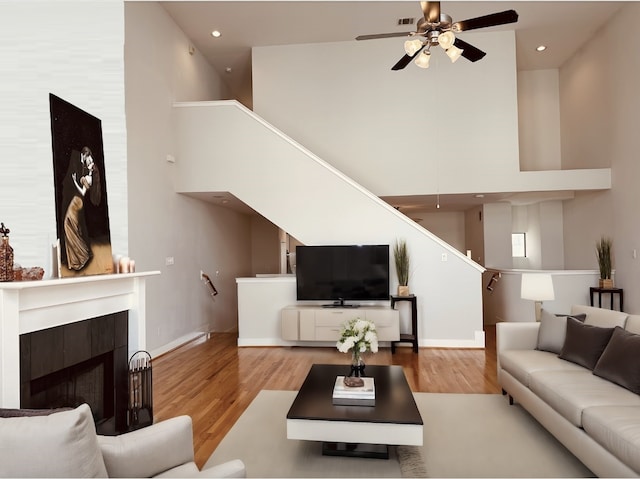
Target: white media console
{"x": 315, "y": 323}
{"x": 263, "y": 300}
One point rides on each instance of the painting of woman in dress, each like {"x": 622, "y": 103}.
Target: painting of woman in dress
{"x": 81, "y": 205}
{"x": 76, "y": 244}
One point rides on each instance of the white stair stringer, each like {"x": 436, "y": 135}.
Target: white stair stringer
{"x": 223, "y": 146}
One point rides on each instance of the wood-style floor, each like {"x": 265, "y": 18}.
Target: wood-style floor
{"x": 213, "y": 381}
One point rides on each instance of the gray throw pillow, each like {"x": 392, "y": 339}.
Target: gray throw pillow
{"x": 584, "y": 343}
{"x": 63, "y": 444}
{"x": 553, "y": 330}
{"x": 619, "y": 362}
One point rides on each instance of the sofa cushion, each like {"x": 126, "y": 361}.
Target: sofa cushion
{"x": 584, "y": 343}
{"x": 633, "y": 324}
{"x": 570, "y": 392}
{"x": 553, "y": 330}
{"x": 617, "y": 429}
{"x": 604, "y": 318}
{"x": 520, "y": 363}
{"x": 63, "y": 444}
{"x": 620, "y": 361}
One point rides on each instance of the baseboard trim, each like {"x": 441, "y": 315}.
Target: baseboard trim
{"x": 176, "y": 343}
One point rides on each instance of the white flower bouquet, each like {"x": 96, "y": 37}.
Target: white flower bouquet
{"x": 359, "y": 336}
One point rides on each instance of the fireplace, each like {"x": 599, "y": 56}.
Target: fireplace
{"x": 80, "y": 362}
{"x": 30, "y": 306}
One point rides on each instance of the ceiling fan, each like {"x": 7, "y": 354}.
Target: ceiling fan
{"x": 437, "y": 28}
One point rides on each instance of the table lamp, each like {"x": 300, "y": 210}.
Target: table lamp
{"x": 537, "y": 287}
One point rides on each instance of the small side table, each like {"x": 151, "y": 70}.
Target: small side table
{"x": 611, "y": 291}
{"x": 413, "y": 336}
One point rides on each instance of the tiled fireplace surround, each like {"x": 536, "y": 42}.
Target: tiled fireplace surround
{"x": 63, "y": 307}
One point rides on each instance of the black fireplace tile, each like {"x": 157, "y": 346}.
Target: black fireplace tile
{"x": 47, "y": 354}
{"x": 77, "y": 342}
{"x": 102, "y": 335}
{"x": 121, "y": 329}
{"x": 25, "y": 358}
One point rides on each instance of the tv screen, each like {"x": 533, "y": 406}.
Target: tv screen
{"x": 338, "y": 273}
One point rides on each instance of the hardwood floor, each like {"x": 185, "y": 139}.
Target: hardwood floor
{"x": 213, "y": 381}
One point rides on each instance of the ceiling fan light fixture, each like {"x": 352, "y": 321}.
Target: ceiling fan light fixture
{"x": 454, "y": 53}
{"x": 423, "y": 59}
{"x": 446, "y": 40}
{"x": 412, "y": 46}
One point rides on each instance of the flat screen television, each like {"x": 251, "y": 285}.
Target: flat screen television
{"x": 342, "y": 273}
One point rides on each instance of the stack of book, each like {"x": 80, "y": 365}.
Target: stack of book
{"x": 354, "y": 396}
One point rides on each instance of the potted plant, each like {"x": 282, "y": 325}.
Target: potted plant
{"x": 401, "y": 258}
{"x": 603, "y": 253}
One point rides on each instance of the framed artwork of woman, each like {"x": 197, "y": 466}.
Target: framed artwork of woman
{"x": 82, "y": 216}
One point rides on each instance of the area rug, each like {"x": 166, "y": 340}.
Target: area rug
{"x": 465, "y": 435}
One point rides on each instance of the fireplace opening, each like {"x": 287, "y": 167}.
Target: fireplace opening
{"x": 82, "y": 383}
{"x": 81, "y": 362}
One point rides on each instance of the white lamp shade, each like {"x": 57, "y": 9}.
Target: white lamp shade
{"x": 537, "y": 287}
{"x": 423, "y": 60}
{"x": 412, "y": 46}
{"x": 454, "y": 53}
{"x": 446, "y": 39}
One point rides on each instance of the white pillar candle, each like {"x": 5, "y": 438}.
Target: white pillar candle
{"x": 124, "y": 264}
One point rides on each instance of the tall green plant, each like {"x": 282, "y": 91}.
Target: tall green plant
{"x": 401, "y": 257}
{"x": 603, "y": 253}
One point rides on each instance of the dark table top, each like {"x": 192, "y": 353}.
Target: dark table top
{"x": 394, "y": 399}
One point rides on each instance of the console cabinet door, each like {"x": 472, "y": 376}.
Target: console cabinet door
{"x": 289, "y": 324}
{"x": 387, "y": 323}
{"x": 329, "y": 323}
{"x": 307, "y": 324}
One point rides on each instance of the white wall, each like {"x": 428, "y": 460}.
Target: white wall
{"x": 474, "y": 233}
{"x": 397, "y": 132}
{"x": 198, "y": 235}
{"x": 265, "y": 246}
{"x": 448, "y": 226}
{"x": 599, "y": 113}
{"x": 497, "y": 235}
{"x": 539, "y": 120}
{"x": 73, "y": 50}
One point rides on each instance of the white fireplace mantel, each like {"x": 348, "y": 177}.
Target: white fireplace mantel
{"x": 28, "y": 306}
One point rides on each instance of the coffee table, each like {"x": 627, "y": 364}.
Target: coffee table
{"x": 364, "y": 431}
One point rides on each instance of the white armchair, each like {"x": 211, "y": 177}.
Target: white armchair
{"x": 65, "y": 444}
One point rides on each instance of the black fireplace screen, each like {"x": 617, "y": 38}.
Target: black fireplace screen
{"x": 140, "y": 413}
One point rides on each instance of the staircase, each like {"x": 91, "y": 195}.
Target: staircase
{"x": 223, "y": 146}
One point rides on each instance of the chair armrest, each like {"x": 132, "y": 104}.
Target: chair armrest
{"x": 516, "y": 336}
{"x": 149, "y": 451}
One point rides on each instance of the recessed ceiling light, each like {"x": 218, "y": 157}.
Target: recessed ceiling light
{"x": 541, "y": 48}
{"x": 228, "y": 70}
{"x": 480, "y": 195}
{"x": 215, "y": 33}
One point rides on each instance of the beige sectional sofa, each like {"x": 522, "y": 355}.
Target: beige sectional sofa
{"x": 579, "y": 376}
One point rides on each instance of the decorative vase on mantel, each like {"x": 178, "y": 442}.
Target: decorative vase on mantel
{"x": 6, "y": 255}
{"x": 357, "y": 364}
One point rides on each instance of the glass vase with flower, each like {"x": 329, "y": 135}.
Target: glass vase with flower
{"x": 358, "y": 336}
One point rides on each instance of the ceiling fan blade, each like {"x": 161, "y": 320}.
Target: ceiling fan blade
{"x": 470, "y": 52}
{"x": 383, "y": 35}
{"x": 431, "y": 11}
{"x": 405, "y": 60}
{"x": 491, "y": 20}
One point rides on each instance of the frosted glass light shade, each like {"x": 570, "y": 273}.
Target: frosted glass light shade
{"x": 537, "y": 287}
{"x": 454, "y": 53}
{"x": 446, "y": 40}
{"x": 423, "y": 60}
{"x": 412, "y": 46}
